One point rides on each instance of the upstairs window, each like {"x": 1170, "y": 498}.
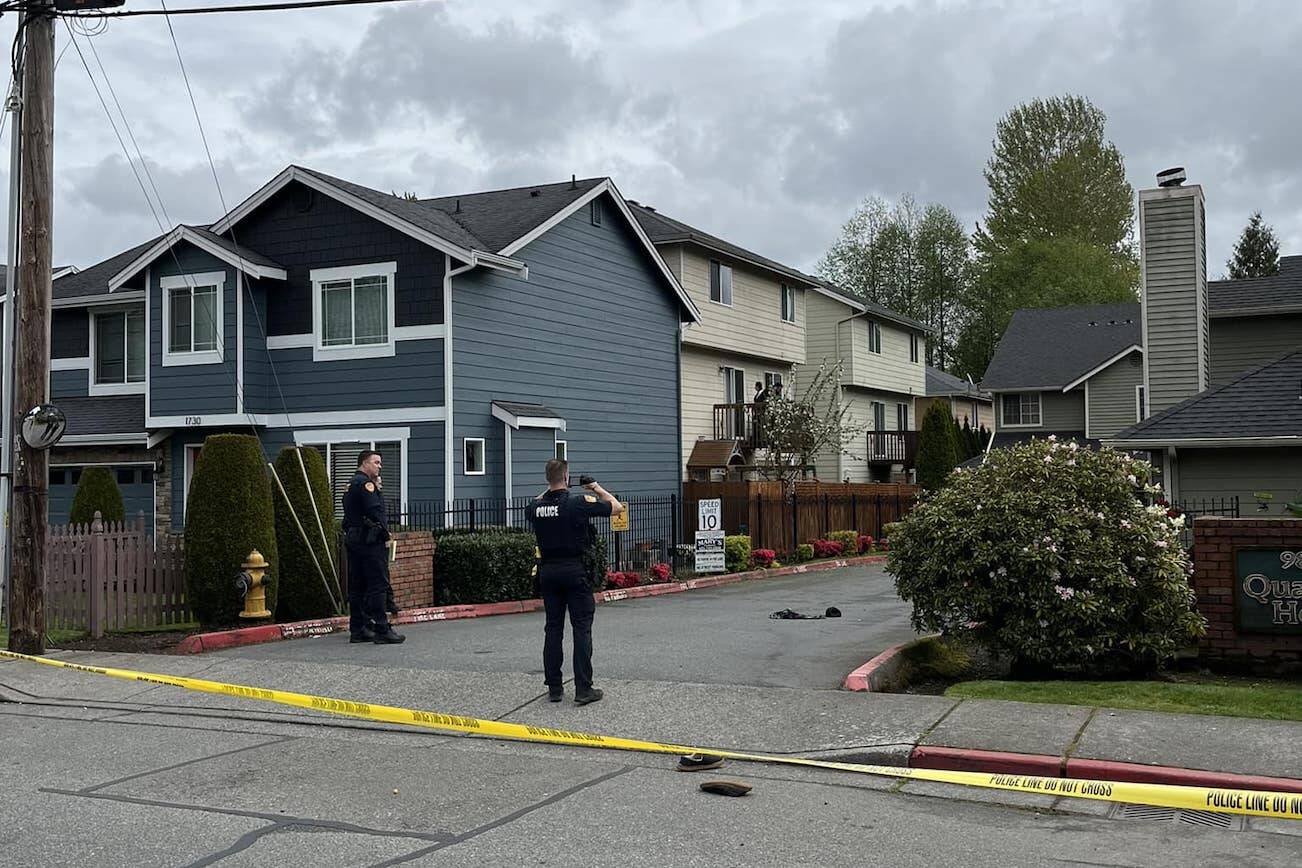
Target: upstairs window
{"x": 913, "y": 347}
{"x": 192, "y": 318}
{"x": 874, "y": 336}
{"x": 720, "y": 283}
{"x": 353, "y": 309}
{"x": 1141, "y": 404}
{"x": 595, "y": 211}
{"x": 119, "y": 349}
{"x": 1021, "y": 409}
{"x": 788, "y": 304}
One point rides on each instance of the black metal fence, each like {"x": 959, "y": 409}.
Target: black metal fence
{"x": 1194, "y": 508}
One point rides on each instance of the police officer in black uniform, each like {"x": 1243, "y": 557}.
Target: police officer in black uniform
{"x": 366, "y": 530}
{"x": 560, "y": 523}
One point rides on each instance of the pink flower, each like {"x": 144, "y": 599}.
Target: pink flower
{"x": 1065, "y": 593}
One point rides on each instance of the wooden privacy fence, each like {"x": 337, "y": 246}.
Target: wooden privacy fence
{"x": 113, "y": 576}
{"x": 781, "y": 520}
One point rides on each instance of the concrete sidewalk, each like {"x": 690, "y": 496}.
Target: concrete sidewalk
{"x": 867, "y": 727}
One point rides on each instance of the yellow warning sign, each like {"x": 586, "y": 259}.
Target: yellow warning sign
{"x": 620, "y": 522}
{"x": 1254, "y": 803}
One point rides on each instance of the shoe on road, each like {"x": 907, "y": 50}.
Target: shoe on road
{"x": 593, "y": 694}
{"x": 367, "y": 635}
{"x": 555, "y": 695}
{"x": 696, "y": 762}
{"x": 726, "y": 788}
{"x": 390, "y": 637}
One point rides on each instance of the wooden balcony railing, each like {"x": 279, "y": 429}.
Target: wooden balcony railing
{"x": 893, "y": 447}
{"x": 744, "y": 422}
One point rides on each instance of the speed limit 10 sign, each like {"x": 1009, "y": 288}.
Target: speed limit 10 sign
{"x": 710, "y": 514}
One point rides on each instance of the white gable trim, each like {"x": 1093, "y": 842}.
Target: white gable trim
{"x": 608, "y": 186}
{"x": 293, "y": 173}
{"x": 185, "y": 233}
{"x": 1118, "y": 357}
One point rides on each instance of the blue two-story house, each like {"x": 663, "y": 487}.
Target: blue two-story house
{"x": 467, "y": 338}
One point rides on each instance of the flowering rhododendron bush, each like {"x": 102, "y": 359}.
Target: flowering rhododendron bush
{"x": 1047, "y": 554}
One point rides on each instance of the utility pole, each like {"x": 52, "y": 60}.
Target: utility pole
{"x": 13, "y": 105}
{"x": 32, "y": 355}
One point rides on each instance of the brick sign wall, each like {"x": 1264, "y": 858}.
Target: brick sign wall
{"x": 1248, "y": 579}
{"x": 412, "y": 573}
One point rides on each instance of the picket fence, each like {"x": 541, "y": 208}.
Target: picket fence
{"x": 113, "y": 576}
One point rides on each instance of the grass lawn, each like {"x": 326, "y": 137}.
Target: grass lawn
{"x": 1185, "y": 694}
{"x": 52, "y": 637}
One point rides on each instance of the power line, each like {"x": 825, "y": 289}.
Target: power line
{"x": 255, "y": 7}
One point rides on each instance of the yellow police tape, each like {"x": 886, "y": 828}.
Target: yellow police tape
{"x": 1253, "y": 803}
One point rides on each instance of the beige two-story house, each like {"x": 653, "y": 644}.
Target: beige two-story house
{"x": 751, "y": 332}
{"x": 883, "y": 354}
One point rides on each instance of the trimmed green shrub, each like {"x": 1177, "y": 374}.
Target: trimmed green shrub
{"x": 804, "y": 552}
{"x": 1046, "y": 554}
{"x": 97, "y": 490}
{"x": 736, "y": 553}
{"x": 488, "y": 567}
{"x": 228, "y": 514}
{"x": 936, "y": 452}
{"x": 849, "y": 540}
{"x": 302, "y": 592}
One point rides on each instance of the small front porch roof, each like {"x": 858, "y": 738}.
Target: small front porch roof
{"x": 520, "y": 415}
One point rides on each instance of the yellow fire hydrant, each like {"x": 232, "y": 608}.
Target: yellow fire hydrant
{"x": 251, "y": 583}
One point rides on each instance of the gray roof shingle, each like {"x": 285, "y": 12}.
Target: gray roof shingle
{"x": 416, "y": 213}
{"x": 117, "y": 414}
{"x": 1261, "y": 296}
{"x": 94, "y": 280}
{"x": 498, "y": 217}
{"x": 662, "y": 229}
{"x": 940, "y": 384}
{"x": 245, "y": 253}
{"x": 1051, "y": 347}
{"x": 1263, "y": 402}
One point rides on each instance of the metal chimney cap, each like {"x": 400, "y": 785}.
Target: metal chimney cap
{"x": 1172, "y": 177}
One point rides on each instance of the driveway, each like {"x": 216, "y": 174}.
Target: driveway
{"x": 716, "y": 636}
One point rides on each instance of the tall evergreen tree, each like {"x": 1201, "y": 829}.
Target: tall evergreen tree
{"x": 1257, "y": 252}
{"x": 1059, "y": 229}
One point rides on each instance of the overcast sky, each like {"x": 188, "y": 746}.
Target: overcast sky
{"x": 761, "y": 121}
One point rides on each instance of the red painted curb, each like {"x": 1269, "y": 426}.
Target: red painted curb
{"x": 861, "y": 679}
{"x": 957, "y": 759}
{"x": 201, "y": 642}
{"x": 1000, "y": 762}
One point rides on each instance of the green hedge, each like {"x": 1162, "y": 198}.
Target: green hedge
{"x": 228, "y": 514}
{"x": 736, "y": 553}
{"x": 97, "y": 490}
{"x": 303, "y": 594}
{"x": 484, "y": 567}
{"x": 804, "y": 552}
{"x": 937, "y": 454}
{"x": 849, "y": 540}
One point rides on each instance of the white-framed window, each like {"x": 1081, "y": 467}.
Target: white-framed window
{"x": 472, "y": 454}
{"x": 353, "y": 311}
{"x": 1020, "y": 409}
{"x": 595, "y": 211}
{"x": 771, "y": 379}
{"x": 117, "y": 352}
{"x": 788, "y": 304}
{"x": 914, "y": 342}
{"x": 874, "y": 336}
{"x": 340, "y": 450}
{"x": 193, "y": 320}
{"x": 720, "y": 283}
{"x": 563, "y": 450}
{"x": 191, "y": 459}
{"x": 901, "y": 417}
{"x": 1141, "y": 404}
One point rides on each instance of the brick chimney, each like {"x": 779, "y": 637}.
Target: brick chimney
{"x": 1173, "y": 285}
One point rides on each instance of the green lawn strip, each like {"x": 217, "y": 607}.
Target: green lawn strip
{"x": 1244, "y": 697}
{"x": 52, "y": 637}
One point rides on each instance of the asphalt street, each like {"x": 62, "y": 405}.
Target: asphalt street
{"x": 99, "y": 772}
{"x": 714, "y": 636}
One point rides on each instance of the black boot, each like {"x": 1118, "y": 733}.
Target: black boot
{"x": 367, "y": 635}
{"x": 389, "y": 637}
{"x": 592, "y": 694}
